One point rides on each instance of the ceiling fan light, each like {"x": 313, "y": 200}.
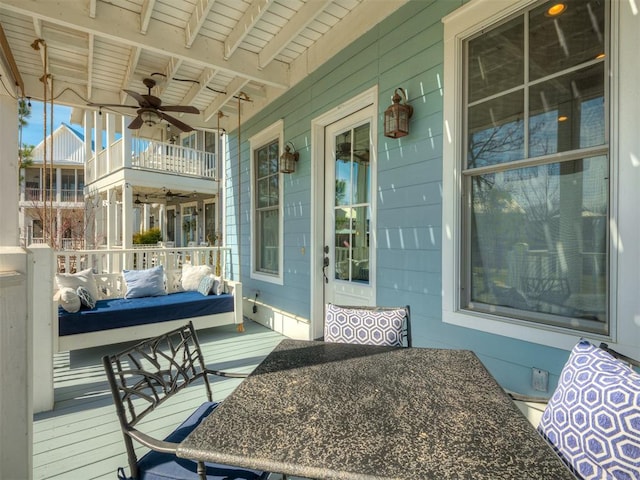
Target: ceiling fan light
{"x": 149, "y": 117}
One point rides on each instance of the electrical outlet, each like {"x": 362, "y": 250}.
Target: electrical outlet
{"x": 539, "y": 379}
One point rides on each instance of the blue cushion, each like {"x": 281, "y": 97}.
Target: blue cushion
{"x": 368, "y": 327}
{"x": 164, "y": 466}
{"x": 127, "y": 312}
{"x": 144, "y": 283}
{"x": 593, "y": 417}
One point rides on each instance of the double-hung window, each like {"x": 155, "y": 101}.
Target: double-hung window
{"x": 531, "y": 219}
{"x": 267, "y": 208}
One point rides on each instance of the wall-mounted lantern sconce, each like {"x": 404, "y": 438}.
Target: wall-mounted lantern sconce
{"x": 288, "y": 159}
{"x": 397, "y": 115}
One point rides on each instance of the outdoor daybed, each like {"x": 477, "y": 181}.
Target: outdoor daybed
{"x": 129, "y": 306}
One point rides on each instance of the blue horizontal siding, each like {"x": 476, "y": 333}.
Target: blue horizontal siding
{"x": 405, "y": 50}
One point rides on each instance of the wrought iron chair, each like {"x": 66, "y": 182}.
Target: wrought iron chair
{"x": 145, "y": 376}
{"x": 390, "y": 326}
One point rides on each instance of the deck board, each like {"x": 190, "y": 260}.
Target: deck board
{"x": 81, "y": 439}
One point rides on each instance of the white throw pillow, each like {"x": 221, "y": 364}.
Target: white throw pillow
{"x": 218, "y": 286}
{"x": 144, "y": 283}
{"x": 173, "y": 281}
{"x": 69, "y": 300}
{"x": 81, "y": 279}
{"x": 193, "y": 274}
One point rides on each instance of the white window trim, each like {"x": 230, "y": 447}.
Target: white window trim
{"x": 458, "y": 26}
{"x": 269, "y": 134}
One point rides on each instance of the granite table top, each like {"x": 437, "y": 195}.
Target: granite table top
{"x": 340, "y": 411}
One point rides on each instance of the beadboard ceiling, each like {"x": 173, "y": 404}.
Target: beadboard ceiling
{"x": 205, "y": 53}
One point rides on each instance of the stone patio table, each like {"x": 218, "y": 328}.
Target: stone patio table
{"x": 354, "y": 412}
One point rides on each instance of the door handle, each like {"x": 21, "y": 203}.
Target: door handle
{"x": 325, "y": 264}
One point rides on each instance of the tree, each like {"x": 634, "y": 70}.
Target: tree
{"x": 25, "y": 152}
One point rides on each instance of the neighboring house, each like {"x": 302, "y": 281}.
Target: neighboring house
{"x": 51, "y": 205}
{"x": 136, "y": 184}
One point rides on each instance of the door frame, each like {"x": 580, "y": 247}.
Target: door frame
{"x": 365, "y": 99}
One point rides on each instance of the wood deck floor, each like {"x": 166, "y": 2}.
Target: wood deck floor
{"x": 81, "y": 439}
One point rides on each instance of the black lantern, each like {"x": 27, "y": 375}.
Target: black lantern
{"x": 396, "y": 117}
{"x": 288, "y": 159}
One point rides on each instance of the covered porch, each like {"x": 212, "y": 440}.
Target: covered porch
{"x": 81, "y": 438}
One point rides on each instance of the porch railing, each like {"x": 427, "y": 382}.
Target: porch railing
{"x": 115, "y": 260}
{"x": 154, "y": 156}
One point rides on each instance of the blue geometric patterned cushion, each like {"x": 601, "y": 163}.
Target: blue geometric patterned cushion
{"x": 205, "y": 285}
{"x": 593, "y": 417}
{"x": 367, "y": 327}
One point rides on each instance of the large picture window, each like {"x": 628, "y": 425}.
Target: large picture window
{"x": 535, "y": 168}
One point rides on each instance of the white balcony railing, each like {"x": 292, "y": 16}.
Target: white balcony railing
{"x": 66, "y": 195}
{"x": 115, "y": 260}
{"x": 154, "y": 156}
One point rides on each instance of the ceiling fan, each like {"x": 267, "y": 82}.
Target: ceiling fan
{"x": 150, "y": 109}
{"x": 137, "y": 201}
{"x": 169, "y": 195}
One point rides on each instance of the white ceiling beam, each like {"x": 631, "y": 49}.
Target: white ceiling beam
{"x": 221, "y": 100}
{"x": 134, "y": 57}
{"x": 196, "y": 89}
{"x": 145, "y": 15}
{"x": 303, "y": 17}
{"x": 169, "y": 72}
{"x": 248, "y": 20}
{"x": 121, "y": 25}
{"x": 92, "y": 8}
{"x": 196, "y": 20}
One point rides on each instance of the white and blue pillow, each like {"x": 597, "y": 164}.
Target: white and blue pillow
{"x": 86, "y": 299}
{"x": 144, "y": 283}
{"x": 364, "y": 326}
{"x": 593, "y": 417}
{"x": 206, "y": 284}
{"x": 69, "y": 300}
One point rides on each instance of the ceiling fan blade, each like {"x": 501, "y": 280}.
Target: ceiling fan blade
{"x": 175, "y": 122}
{"x": 179, "y": 108}
{"x": 139, "y": 98}
{"x": 136, "y": 123}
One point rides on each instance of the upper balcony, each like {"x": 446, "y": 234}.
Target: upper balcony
{"x": 151, "y": 156}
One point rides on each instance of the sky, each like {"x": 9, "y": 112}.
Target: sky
{"x": 33, "y": 134}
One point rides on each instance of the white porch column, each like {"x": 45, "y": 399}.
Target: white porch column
{"x": 111, "y": 137}
{"x": 162, "y": 221}
{"x": 145, "y": 217}
{"x": 111, "y": 218}
{"x": 98, "y": 133}
{"x": 15, "y": 325}
{"x": 126, "y": 141}
{"x": 59, "y": 228}
{"x": 43, "y": 312}
{"x": 88, "y": 152}
{"x": 127, "y": 217}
